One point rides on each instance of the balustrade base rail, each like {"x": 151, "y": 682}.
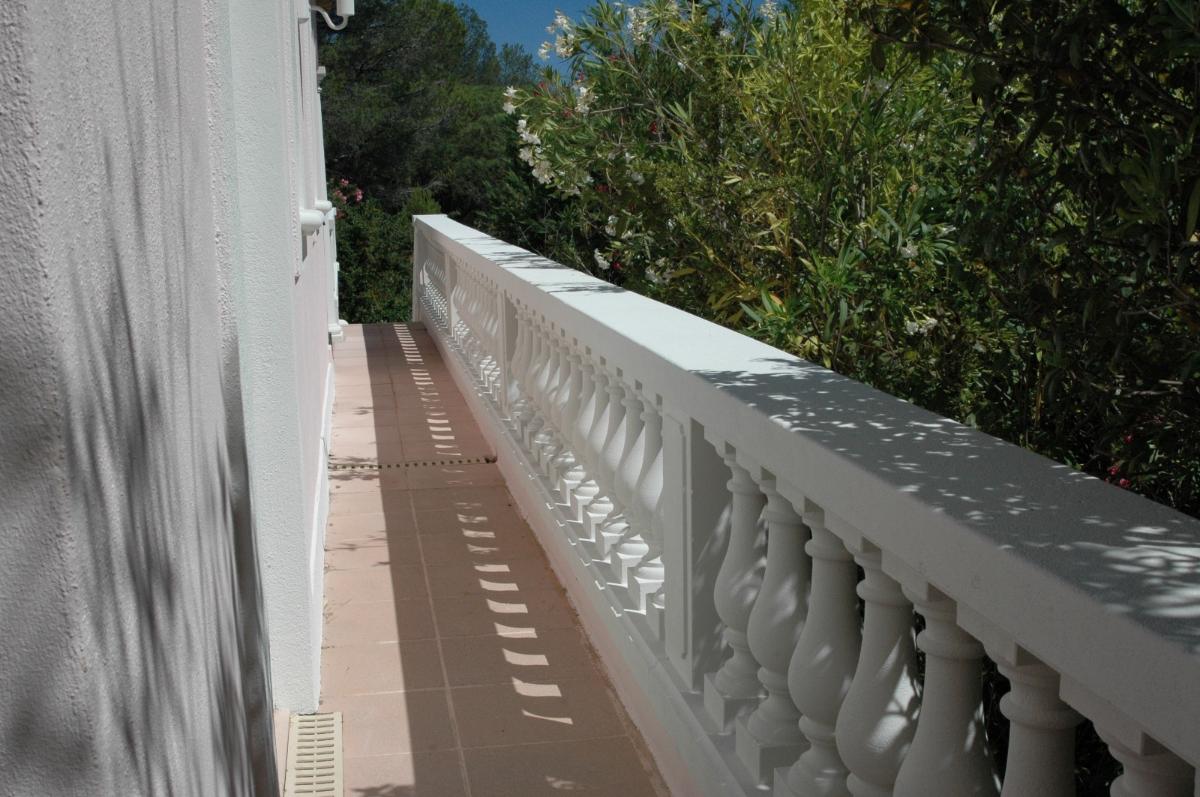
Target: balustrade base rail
{"x": 748, "y": 539}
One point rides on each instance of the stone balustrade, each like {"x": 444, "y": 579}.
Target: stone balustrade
{"x": 749, "y": 537}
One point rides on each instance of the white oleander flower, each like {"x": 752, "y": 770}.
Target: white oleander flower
{"x": 610, "y": 228}
{"x": 508, "y": 107}
{"x": 639, "y": 24}
{"x": 583, "y": 98}
{"x": 510, "y": 93}
{"x": 600, "y": 260}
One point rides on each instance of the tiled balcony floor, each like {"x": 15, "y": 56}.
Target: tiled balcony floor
{"x": 450, "y": 648}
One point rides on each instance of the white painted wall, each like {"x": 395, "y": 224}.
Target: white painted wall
{"x": 134, "y": 655}
{"x": 282, "y": 302}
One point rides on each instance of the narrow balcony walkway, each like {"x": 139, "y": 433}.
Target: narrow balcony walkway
{"x": 450, "y": 647}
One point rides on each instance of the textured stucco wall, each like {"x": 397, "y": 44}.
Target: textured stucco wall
{"x": 133, "y": 657}
{"x": 283, "y": 338}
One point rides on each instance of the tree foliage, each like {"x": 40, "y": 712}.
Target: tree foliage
{"x": 986, "y": 213}
{"x": 412, "y": 121}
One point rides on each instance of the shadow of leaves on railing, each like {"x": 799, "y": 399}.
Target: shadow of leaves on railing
{"x": 1090, "y": 536}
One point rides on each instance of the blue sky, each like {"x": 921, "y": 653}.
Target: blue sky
{"x": 523, "y": 21}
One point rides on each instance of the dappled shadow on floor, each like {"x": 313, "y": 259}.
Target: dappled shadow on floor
{"x": 450, "y": 647}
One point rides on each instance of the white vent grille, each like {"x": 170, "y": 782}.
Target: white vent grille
{"x": 314, "y": 756}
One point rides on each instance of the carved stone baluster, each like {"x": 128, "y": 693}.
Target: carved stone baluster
{"x": 543, "y": 442}
{"x": 770, "y": 737}
{"x": 649, "y": 573}
{"x": 572, "y": 401}
{"x": 516, "y": 390}
{"x": 603, "y": 505}
{"x": 735, "y": 686}
{"x": 879, "y": 715}
{"x": 1150, "y": 770}
{"x": 537, "y": 366}
{"x": 1041, "y": 731}
{"x": 822, "y": 667}
{"x": 589, "y": 489}
{"x": 541, "y": 380}
{"x": 575, "y": 478}
{"x": 949, "y": 753}
{"x": 621, "y": 525}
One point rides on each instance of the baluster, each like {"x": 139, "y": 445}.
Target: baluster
{"x": 1150, "y": 770}
{"x": 1041, "y": 731}
{"x": 589, "y": 489}
{"x": 575, "y": 476}
{"x": 735, "y": 685}
{"x": 629, "y": 550}
{"x": 822, "y": 667}
{"x": 621, "y": 525}
{"x": 648, "y": 576}
{"x": 537, "y": 391}
{"x": 558, "y": 407}
{"x": 603, "y": 506}
{"x": 543, "y": 442}
{"x": 949, "y": 753}
{"x": 522, "y": 408}
{"x": 568, "y": 415}
{"x": 770, "y": 737}
{"x": 879, "y": 715}
{"x": 516, "y": 396}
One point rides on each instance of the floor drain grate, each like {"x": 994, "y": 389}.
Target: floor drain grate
{"x": 423, "y": 463}
{"x": 314, "y": 756}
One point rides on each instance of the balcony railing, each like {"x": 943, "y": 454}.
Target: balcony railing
{"x": 747, "y": 536}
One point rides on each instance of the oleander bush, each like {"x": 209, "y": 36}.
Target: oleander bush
{"x": 951, "y": 218}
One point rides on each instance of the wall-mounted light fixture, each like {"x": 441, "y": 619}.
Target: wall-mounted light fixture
{"x": 345, "y": 10}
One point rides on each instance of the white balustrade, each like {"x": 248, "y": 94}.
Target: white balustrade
{"x": 758, "y": 670}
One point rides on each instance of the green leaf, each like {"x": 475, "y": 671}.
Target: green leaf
{"x": 879, "y": 55}
{"x": 1193, "y": 211}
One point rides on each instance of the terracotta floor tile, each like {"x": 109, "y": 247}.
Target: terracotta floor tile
{"x": 501, "y": 580}
{"x": 545, "y": 658}
{"x": 399, "y": 582}
{"x": 436, "y": 774}
{"x": 363, "y": 622}
{"x": 367, "y": 480}
{"x": 364, "y": 435}
{"x": 501, "y": 714}
{"x": 476, "y": 615}
{"x": 391, "y": 503}
{"x": 475, "y": 523}
{"x": 462, "y": 499}
{"x": 601, "y": 767}
{"x": 373, "y": 554}
{"x": 374, "y": 525}
{"x": 442, "y": 549}
{"x": 457, "y": 475}
{"x": 391, "y": 723}
{"x": 381, "y": 667}
{"x": 348, "y": 419}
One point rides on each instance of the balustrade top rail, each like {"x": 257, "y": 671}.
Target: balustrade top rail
{"x": 1099, "y": 584}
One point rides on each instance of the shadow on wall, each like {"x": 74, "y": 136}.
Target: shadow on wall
{"x": 166, "y": 677}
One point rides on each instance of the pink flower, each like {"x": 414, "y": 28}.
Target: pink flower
{"x": 358, "y": 195}
{"x": 1128, "y": 438}
{"x": 343, "y": 182}
{"x": 1114, "y": 470}
{"x": 1124, "y": 483}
